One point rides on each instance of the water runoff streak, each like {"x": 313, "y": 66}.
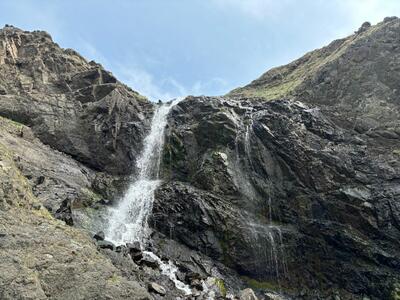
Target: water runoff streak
{"x": 266, "y": 238}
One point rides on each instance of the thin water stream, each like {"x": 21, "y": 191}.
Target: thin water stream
{"x": 267, "y": 238}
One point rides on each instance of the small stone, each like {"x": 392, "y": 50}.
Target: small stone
{"x": 121, "y": 249}
{"x": 247, "y": 294}
{"x": 191, "y": 276}
{"x": 149, "y": 262}
{"x": 135, "y": 247}
{"x": 156, "y": 288}
{"x": 36, "y": 206}
{"x": 105, "y": 245}
{"x": 364, "y": 27}
{"x": 137, "y": 256}
{"x": 40, "y": 180}
{"x": 197, "y": 284}
{"x": 104, "y": 202}
{"x": 135, "y": 251}
{"x": 180, "y": 276}
{"x": 273, "y": 296}
{"x": 99, "y": 236}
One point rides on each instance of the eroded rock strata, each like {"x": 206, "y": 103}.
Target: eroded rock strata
{"x": 289, "y": 185}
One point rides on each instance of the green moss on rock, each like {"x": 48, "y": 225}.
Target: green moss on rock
{"x": 221, "y": 286}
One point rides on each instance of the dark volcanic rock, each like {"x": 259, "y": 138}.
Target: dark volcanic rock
{"x": 105, "y": 245}
{"x": 284, "y": 191}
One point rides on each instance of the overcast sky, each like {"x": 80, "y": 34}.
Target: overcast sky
{"x": 168, "y": 48}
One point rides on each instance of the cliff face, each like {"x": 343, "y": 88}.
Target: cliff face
{"x": 72, "y": 105}
{"x": 293, "y": 180}
{"x": 289, "y": 184}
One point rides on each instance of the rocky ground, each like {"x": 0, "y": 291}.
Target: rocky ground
{"x": 287, "y": 188}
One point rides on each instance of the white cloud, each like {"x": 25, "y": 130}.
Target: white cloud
{"x": 166, "y": 88}
{"x": 143, "y": 82}
{"x": 90, "y": 52}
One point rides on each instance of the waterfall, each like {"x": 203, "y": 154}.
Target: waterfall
{"x": 128, "y": 221}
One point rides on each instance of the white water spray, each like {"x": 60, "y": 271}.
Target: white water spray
{"x": 128, "y": 221}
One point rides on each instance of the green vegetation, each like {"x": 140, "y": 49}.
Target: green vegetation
{"x": 395, "y": 294}
{"x": 396, "y": 152}
{"x": 282, "y": 82}
{"x": 173, "y": 154}
{"x": 260, "y": 285}
{"x": 114, "y": 278}
{"x": 221, "y": 286}
{"x": 89, "y": 197}
{"x": 10, "y": 125}
{"x": 264, "y": 285}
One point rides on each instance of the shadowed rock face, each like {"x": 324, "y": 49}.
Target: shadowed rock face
{"x": 321, "y": 170}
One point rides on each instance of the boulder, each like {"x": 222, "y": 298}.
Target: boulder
{"x": 247, "y": 294}
{"x": 156, "y": 288}
{"x": 99, "y": 236}
{"x": 102, "y": 244}
{"x": 135, "y": 251}
{"x": 149, "y": 262}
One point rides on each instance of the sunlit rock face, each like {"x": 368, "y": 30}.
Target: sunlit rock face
{"x": 72, "y": 105}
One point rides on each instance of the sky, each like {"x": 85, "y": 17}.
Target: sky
{"x": 169, "y": 48}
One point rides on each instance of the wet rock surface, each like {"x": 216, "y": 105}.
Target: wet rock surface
{"x": 287, "y": 177}
{"x": 313, "y": 177}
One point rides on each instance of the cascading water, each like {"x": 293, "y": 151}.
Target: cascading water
{"x": 267, "y": 239}
{"x": 128, "y": 221}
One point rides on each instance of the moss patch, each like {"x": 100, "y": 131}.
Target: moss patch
{"x": 44, "y": 213}
{"x": 395, "y": 294}
{"x": 265, "y": 285}
{"x": 87, "y": 198}
{"x": 14, "y": 187}
{"x": 284, "y": 81}
{"x": 114, "y": 279}
{"x": 221, "y": 286}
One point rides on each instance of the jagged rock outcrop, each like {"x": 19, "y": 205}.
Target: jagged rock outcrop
{"x": 318, "y": 167}
{"x": 70, "y": 104}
